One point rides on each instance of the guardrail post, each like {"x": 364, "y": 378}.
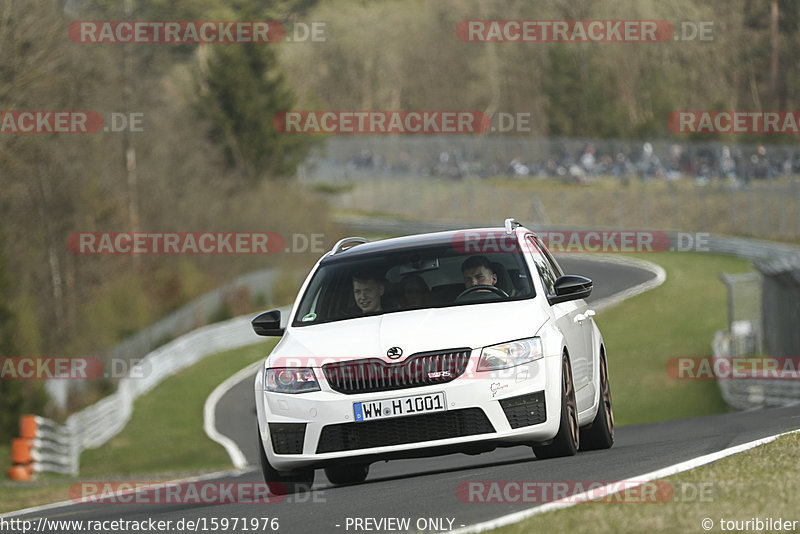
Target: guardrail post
{"x": 22, "y": 450}
{"x": 43, "y": 445}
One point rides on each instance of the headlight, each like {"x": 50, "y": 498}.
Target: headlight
{"x": 290, "y": 380}
{"x": 510, "y": 354}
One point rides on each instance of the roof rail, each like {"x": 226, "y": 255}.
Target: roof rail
{"x": 346, "y": 243}
{"x": 511, "y": 224}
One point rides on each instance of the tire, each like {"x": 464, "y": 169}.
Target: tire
{"x": 347, "y": 474}
{"x": 281, "y": 482}
{"x": 566, "y": 442}
{"x": 600, "y": 435}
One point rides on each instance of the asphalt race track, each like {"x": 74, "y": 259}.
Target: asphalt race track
{"x": 424, "y": 491}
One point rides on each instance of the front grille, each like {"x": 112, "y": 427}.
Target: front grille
{"x": 373, "y": 375}
{"x": 287, "y": 438}
{"x": 525, "y": 410}
{"x": 401, "y": 430}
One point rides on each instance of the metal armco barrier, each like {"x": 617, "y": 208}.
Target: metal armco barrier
{"x": 48, "y": 446}
{"x": 43, "y": 445}
{"x": 190, "y": 316}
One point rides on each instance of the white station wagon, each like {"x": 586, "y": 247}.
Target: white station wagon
{"x": 431, "y": 344}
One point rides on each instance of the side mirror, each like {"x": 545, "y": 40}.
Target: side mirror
{"x": 268, "y": 324}
{"x": 570, "y": 287}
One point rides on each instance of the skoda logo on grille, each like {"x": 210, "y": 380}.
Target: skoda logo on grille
{"x": 394, "y": 352}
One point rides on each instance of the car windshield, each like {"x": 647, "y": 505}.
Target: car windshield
{"x": 409, "y": 279}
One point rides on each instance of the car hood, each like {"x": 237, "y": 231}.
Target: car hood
{"x": 472, "y": 326}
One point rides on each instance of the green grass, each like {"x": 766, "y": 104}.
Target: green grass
{"x": 676, "y": 319}
{"x": 164, "y": 439}
{"x": 46, "y": 488}
{"x": 762, "y": 482}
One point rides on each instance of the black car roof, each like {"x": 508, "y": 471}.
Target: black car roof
{"x": 410, "y": 242}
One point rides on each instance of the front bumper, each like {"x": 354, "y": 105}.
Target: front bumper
{"x": 484, "y": 410}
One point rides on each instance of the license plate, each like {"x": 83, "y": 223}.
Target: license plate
{"x": 385, "y": 408}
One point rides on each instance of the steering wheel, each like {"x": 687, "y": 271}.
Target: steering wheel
{"x": 482, "y": 287}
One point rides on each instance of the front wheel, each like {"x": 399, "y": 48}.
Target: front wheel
{"x": 284, "y": 483}
{"x": 566, "y": 441}
{"x": 600, "y": 435}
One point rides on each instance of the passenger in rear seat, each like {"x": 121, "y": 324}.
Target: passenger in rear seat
{"x": 415, "y": 292}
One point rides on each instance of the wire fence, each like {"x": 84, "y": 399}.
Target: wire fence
{"x": 768, "y": 211}
{"x": 781, "y": 298}
{"x": 742, "y": 189}
{"x": 744, "y": 304}
{"x": 762, "y": 320}
{"x": 344, "y": 159}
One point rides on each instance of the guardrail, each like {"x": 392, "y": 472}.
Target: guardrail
{"x": 257, "y": 285}
{"x": 56, "y": 448}
{"x": 43, "y": 445}
{"x": 47, "y": 446}
{"x": 749, "y": 391}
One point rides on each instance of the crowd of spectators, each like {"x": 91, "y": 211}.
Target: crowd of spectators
{"x": 581, "y": 163}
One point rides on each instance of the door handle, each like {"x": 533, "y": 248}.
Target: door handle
{"x": 590, "y": 313}
{"x": 579, "y": 318}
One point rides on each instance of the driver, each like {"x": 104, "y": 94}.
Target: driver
{"x": 478, "y": 271}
